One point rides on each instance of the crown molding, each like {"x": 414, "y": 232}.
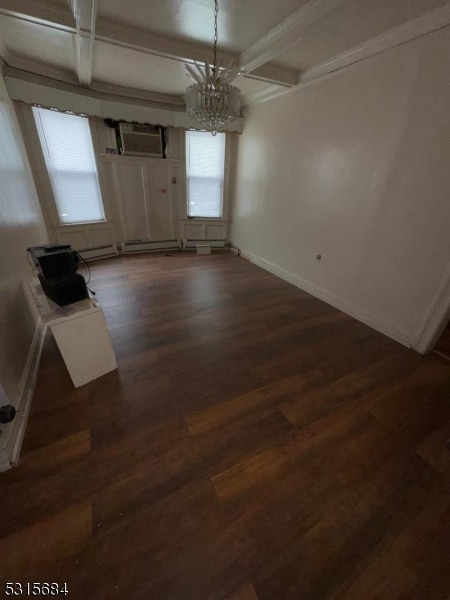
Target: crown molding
{"x": 125, "y": 92}
{"x": 261, "y": 96}
{"x": 31, "y": 89}
{"x": 20, "y": 66}
{"x": 290, "y": 31}
{"x": 275, "y": 74}
{"x": 426, "y": 23}
{"x": 66, "y": 82}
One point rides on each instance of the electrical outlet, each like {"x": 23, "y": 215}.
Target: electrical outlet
{"x": 174, "y": 179}
{"x": 318, "y": 257}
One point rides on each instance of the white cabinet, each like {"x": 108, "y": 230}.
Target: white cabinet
{"x": 81, "y": 334}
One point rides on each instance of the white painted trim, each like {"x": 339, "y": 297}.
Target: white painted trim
{"x": 139, "y": 160}
{"x": 338, "y": 302}
{"x": 275, "y": 74}
{"x": 134, "y": 247}
{"x": 426, "y": 23}
{"x": 290, "y": 31}
{"x": 85, "y": 13}
{"x": 51, "y": 15}
{"x": 10, "y": 452}
{"x": 101, "y": 252}
{"x": 33, "y": 89}
{"x": 436, "y": 319}
{"x": 114, "y": 33}
{"x": 194, "y": 243}
{"x": 263, "y": 95}
{"x": 24, "y": 70}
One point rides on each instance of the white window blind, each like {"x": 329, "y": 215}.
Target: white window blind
{"x": 69, "y": 156}
{"x": 205, "y": 157}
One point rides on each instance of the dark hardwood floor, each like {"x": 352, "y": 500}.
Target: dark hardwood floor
{"x": 255, "y": 443}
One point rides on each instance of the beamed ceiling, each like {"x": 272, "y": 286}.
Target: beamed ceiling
{"x": 137, "y": 48}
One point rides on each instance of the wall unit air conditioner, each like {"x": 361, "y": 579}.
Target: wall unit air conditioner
{"x": 141, "y": 140}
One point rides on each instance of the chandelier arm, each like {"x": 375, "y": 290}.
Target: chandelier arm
{"x": 200, "y": 70}
{"x": 193, "y": 74}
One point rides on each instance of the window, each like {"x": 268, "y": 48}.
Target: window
{"x": 205, "y": 158}
{"x": 69, "y": 156}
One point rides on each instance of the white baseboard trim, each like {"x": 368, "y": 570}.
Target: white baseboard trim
{"x": 437, "y": 318}
{"x": 353, "y": 310}
{"x": 188, "y": 243}
{"x": 100, "y": 252}
{"x": 14, "y": 432}
{"x": 140, "y": 247}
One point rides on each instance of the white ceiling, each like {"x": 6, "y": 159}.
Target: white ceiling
{"x": 142, "y": 45}
{"x": 241, "y": 22}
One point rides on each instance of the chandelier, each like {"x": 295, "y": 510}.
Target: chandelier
{"x": 212, "y": 100}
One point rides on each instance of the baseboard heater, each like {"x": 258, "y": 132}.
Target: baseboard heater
{"x": 213, "y": 243}
{"x": 99, "y": 252}
{"x": 147, "y": 246}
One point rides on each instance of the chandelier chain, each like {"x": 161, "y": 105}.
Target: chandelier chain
{"x": 216, "y": 12}
{"x": 212, "y": 101}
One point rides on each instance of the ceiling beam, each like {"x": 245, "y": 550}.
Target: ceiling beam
{"x": 87, "y": 29}
{"x": 422, "y": 25}
{"x": 427, "y": 23}
{"x": 291, "y": 31}
{"x": 184, "y": 51}
{"x": 85, "y": 13}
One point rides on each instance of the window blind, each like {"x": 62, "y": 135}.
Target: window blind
{"x": 205, "y": 158}
{"x": 69, "y": 157}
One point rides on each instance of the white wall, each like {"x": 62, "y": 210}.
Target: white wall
{"x": 21, "y": 225}
{"x": 356, "y": 168}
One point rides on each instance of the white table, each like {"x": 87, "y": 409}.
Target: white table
{"x": 81, "y": 335}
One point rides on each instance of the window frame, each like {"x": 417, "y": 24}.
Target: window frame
{"x": 50, "y": 203}
{"x": 226, "y": 173}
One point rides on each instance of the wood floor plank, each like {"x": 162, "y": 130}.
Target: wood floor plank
{"x": 254, "y": 443}
{"x": 45, "y": 540}
{"x": 244, "y": 592}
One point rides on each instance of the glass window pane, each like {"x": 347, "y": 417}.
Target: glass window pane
{"x": 205, "y": 157}
{"x": 69, "y": 157}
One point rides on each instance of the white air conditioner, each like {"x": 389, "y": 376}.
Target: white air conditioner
{"x": 141, "y": 140}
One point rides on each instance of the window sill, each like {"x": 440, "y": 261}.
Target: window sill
{"x": 84, "y": 224}
{"x": 209, "y": 219}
